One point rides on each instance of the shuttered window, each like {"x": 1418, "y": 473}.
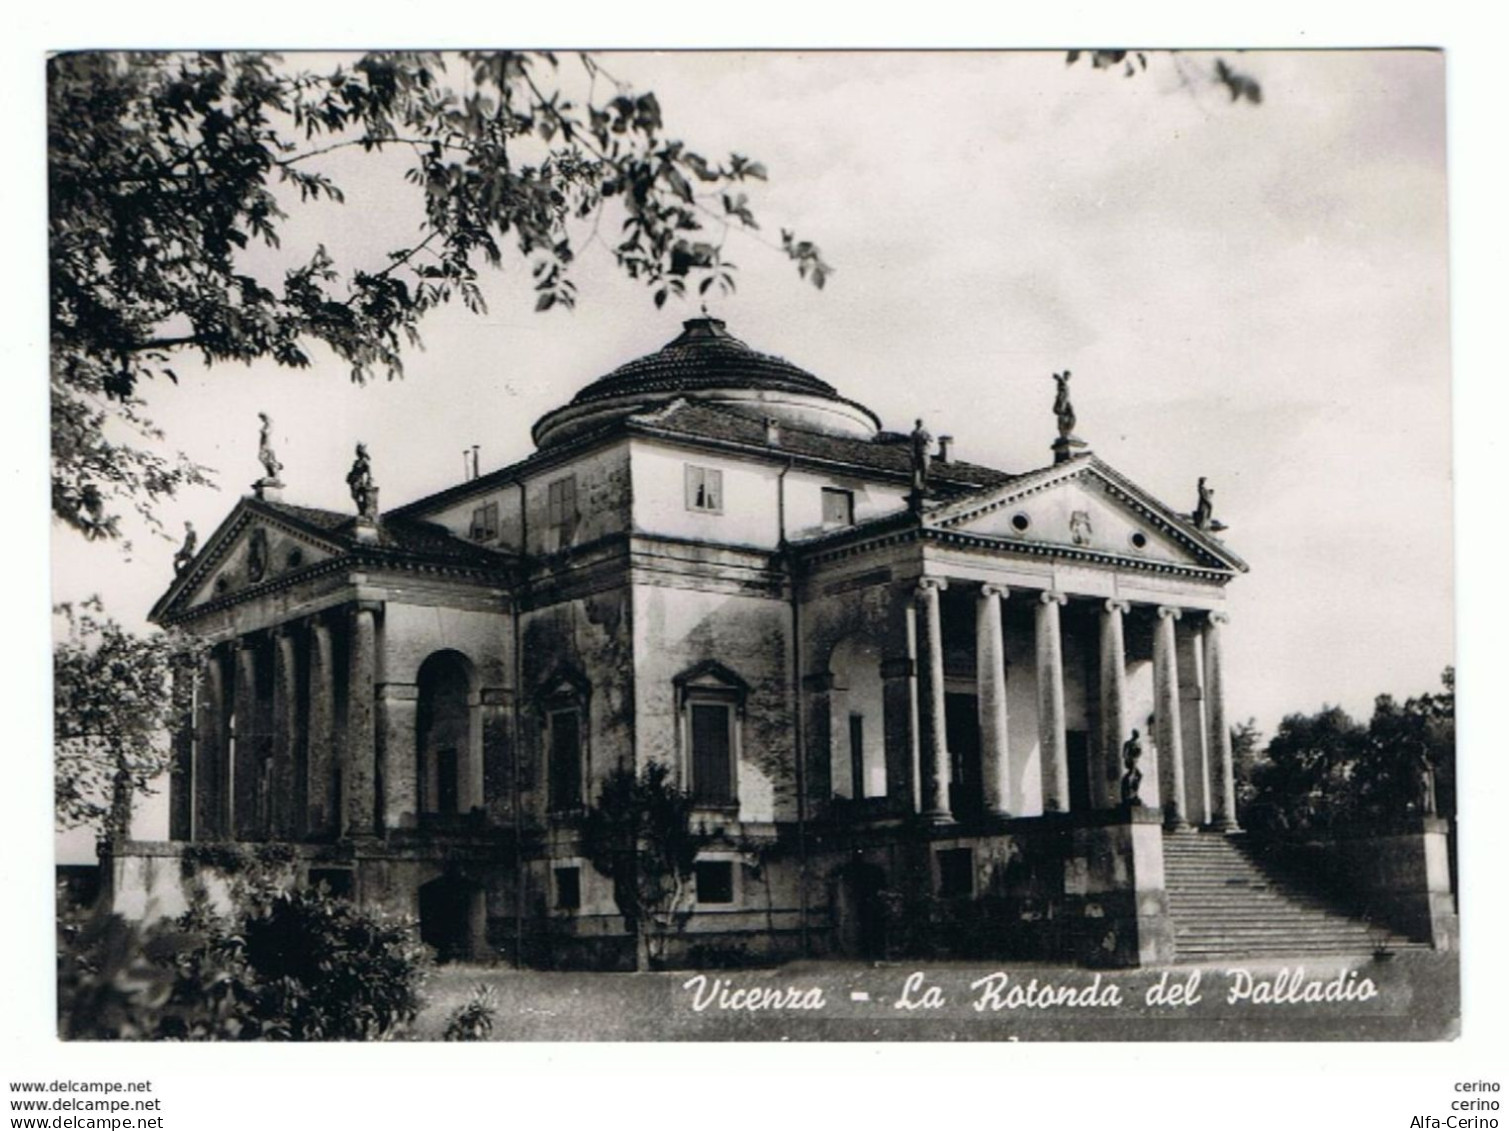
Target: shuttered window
{"x": 712, "y": 753}
{"x": 565, "y": 759}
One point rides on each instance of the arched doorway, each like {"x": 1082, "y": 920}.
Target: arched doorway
{"x": 444, "y": 736}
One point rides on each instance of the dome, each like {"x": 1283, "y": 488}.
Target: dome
{"x": 706, "y": 362}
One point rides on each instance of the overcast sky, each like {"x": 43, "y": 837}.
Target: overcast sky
{"x": 1257, "y": 294}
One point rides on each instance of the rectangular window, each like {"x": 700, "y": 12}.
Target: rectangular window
{"x": 568, "y": 889}
{"x": 838, "y": 507}
{"x": 562, "y": 502}
{"x": 565, "y": 759}
{"x": 485, "y": 523}
{"x": 712, "y": 753}
{"x": 704, "y": 489}
{"x": 956, "y": 872}
{"x": 715, "y": 881}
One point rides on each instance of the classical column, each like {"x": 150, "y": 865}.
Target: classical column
{"x": 286, "y": 802}
{"x": 360, "y": 752}
{"x": 990, "y": 676}
{"x": 898, "y": 687}
{"x": 320, "y": 759}
{"x": 1052, "y": 744}
{"x": 936, "y": 772}
{"x": 398, "y": 705}
{"x": 181, "y": 768}
{"x": 1113, "y": 721}
{"x": 1223, "y": 794}
{"x": 1188, "y": 634}
{"x": 246, "y": 772}
{"x": 1168, "y": 718}
{"x": 211, "y": 782}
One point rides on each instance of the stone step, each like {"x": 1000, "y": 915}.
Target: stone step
{"x": 1226, "y": 904}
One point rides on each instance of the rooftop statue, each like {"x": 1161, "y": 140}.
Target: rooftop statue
{"x": 269, "y": 459}
{"x": 185, "y": 555}
{"x": 363, "y": 488}
{"x": 1203, "y": 516}
{"x": 1062, "y": 408}
{"x": 921, "y": 459}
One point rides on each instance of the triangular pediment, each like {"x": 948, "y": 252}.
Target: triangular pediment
{"x": 1085, "y": 506}
{"x": 257, "y": 545}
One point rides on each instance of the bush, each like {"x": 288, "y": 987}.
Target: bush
{"x": 301, "y": 966}
{"x": 472, "y": 1020}
{"x": 330, "y": 971}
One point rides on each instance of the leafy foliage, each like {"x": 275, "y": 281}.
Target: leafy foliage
{"x": 170, "y": 177}
{"x": 290, "y": 966}
{"x": 473, "y": 1019}
{"x": 639, "y": 835}
{"x": 1238, "y": 84}
{"x": 1327, "y": 769}
{"x": 114, "y": 700}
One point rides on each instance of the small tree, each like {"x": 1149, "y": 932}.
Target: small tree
{"x": 639, "y": 835}
{"x": 115, "y": 700}
{"x": 1303, "y": 779}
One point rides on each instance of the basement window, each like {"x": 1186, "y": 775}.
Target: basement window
{"x": 568, "y": 889}
{"x": 715, "y": 881}
{"x": 956, "y": 873}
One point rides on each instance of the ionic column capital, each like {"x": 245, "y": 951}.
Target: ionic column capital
{"x": 1050, "y": 597}
{"x": 1169, "y": 612}
{"x": 1114, "y": 606}
{"x": 355, "y": 608}
{"x": 1217, "y": 617}
{"x": 926, "y": 585}
{"x": 991, "y": 589}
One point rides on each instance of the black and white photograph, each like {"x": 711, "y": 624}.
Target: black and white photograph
{"x": 845, "y": 546}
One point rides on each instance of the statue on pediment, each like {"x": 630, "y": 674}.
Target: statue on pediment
{"x": 1203, "y": 516}
{"x": 1062, "y": 407}
{"x": 185, "y": 555}
{"x": 363, "y": 488}
{"x": 266, "y": 456}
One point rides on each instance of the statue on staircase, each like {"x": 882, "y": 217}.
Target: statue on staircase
{"x": 1131, "y": 780}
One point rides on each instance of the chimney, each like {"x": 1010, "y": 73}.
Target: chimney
{"x": 945, "y": 449}
{"x": 772, "y": 431}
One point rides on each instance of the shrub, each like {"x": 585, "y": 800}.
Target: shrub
{"x": 297, "y": 966}
{"x": 473, "y": 1019}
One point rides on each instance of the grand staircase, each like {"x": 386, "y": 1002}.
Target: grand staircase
{"x": 1225, "y": 904}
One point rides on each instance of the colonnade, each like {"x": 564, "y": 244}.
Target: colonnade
{"x": 282, "y": 747}
{"x": 1184, "y": 694}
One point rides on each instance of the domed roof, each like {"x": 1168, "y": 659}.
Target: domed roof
{"x": 706, "y": 361}
{"x": 703, "y": 356}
